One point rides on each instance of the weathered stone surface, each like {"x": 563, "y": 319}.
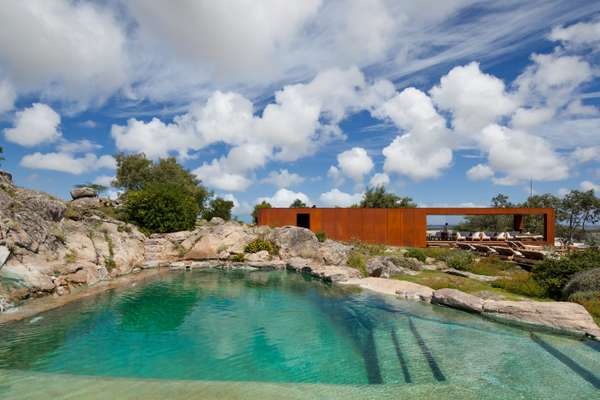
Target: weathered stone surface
{"x": 334, "y": 253}
{"x": 79, "y": 193}
{"x": 221, "y": 242}
{"x": 386, "y": 266}
{"x": 402, "y": 289}
{"x": 262, "y": 255}
{"x": 21, "y": 275}
{"x": 293, "y": 241}
{"x": 332, "y": 273}
{"x": 457, "y": 299}
{"x": 217, "y": 221}
{"x": 559, "y": 316}
{"x": 4, "y": 253}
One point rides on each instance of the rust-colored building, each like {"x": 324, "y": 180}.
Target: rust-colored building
{"x": 393, "y": 226}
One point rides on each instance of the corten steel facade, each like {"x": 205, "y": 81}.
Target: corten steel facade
{"x": 393, "y": 226}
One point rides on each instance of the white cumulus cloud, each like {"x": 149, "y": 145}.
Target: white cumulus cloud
{"x": 480, "y": 172}
{"x": 35, "y": 125}
{"x": 379, "y": 179}
{"x": 68, "y": 163}
{"x": 283, "y": 178}
{"x": 337, "y": 198}
{"x": 285, "y": 197}
{"x": 424, "y": 150}
{"x": 355, "y": 163}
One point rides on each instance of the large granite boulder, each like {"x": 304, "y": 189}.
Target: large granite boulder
{"x": 221, "y": 241}
{"x": 457, "y": 299}
{"x": 82, "y": 192}
{"x": 294, "y": 241}
{"x": 334, "y": 253}
{"x": 386, "y": 266}
{"x": 558, "y": 316}
{"x": 17, "y": 275}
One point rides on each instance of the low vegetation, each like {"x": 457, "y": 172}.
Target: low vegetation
{"x": 321, "y": 236}
{"x": 358, "y": 260}
{"x": 260, "y": 245}
{"x": 520, "y": 283}
{"x": 439, "y": 280}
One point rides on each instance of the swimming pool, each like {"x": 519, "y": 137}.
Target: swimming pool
{"x": 273, "y": 334}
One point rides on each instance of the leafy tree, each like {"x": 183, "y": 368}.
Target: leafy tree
{"x": 576, "y": 210}
{"x": 98, "y": 188}
{"x": 262, "y": 204}
{"x": 377, "y": 197}
{"x": 161, "y": 208}
{"x": 298, "y": 204}
{"x": 1, "y": 151}
{"x": 495, "y": 223}
{"x": 218, "y": 207}
{"x": 135, "y": 172}
{"x": 535, "y": 223}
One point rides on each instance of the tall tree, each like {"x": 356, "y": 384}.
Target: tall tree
{"x": 1, "y": 158}
{"x": 298, "y": 204}
{"x": 262, "y": 204}
{"x": 378, "y": 197}
{"x": 218, "y": 207}
{"x": 577, "y": 209}
{"x": 135, "y": 172}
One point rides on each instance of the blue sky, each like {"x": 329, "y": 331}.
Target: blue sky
{"x": 449, "y": 102}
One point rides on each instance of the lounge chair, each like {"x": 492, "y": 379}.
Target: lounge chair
{"x": 480, "y": 236}
{"x": 503, "y": 236}
{"x": 459, "y": 236}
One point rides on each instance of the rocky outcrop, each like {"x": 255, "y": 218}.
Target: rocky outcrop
{"x": 562, "y": 317}
{"x": 457, "y": 299}
{"x": 402, "y": 289}
{"x": 558, "y": 316}
{"x": 330, "y": 273}
{"x": 386, "y": 266}
{"x": 48, "y": 247}
{"x": 293, "y": 241}
{"x": 82, "y": 192}
{"x": 334, "y": 253}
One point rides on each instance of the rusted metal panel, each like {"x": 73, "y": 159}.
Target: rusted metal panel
{"x": 394, "y": 226}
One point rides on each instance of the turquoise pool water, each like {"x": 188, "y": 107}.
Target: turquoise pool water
{"x": 281, "y": 335}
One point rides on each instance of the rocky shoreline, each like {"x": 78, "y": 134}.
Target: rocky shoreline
{"x": 69, "y": 250}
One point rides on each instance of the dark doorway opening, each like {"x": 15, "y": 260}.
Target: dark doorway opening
{"x": 303, "y": 220}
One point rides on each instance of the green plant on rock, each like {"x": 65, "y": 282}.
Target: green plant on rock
{"x": 358, "y": 261}
{"x": 109, "y": 262}
{"x": 460, "y": 260}
{"x": 419, "y": 254}
{"x": 238, "y": 258}
{"x": 70, "y": 256}
{"x": 259, "y": 245}
{"x": 321, "y": 236}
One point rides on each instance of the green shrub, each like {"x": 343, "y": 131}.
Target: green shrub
{"x": 124, "y": 228}
{"x": 520, "y": 283}
{"x": 369, "y": 249}
{"x": 259, "y": 245}
{"x": 237, "y": 258}
{"x": 358, "y": 261}
{"x": 590, "y": 300}
{"x": 419, "y": 254}
{"x": 109, "y": 262}
{"x": 458, "y": 259}
{"x": 321, "y": 236}
{"x": 162, "y": 208}
{"x": 584, "y": 281}
{"x": 492, "y": 266}
{"x": 218, "y": 207}
{"x": 439, "y": 253}
{"x": 554, "y": 274}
